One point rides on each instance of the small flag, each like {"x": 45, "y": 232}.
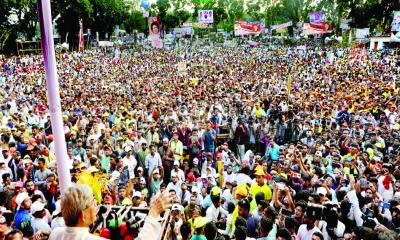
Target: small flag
{"x": 81, "y": 40}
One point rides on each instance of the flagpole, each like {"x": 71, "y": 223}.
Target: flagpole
{"x": 53, "y": 95}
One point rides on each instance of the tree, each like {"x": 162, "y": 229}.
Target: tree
{"x": 67, "y": 14}
{"x": 135, "y": 21}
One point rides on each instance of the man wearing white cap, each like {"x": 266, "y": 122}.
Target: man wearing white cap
{"x": 175, "y": 185}
{"x": 179, "y": 172}
{"x": 156, "y": 179}
{"x": 23, "y": 218}
{"x": 130, "y": 161}
{"x": 38, "y": 222}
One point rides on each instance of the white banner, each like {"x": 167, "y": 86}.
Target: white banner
{"x": 206, "y": 16}
{"x": 281, "y": 26}
{"x": 362, "y": 33}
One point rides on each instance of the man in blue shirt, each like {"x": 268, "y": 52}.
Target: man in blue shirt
{"x": 22, "y": 217}
{"x": 273, "y": 151}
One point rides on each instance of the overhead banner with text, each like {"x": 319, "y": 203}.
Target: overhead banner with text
{"x": 317, "y": 28}
{"x": 246, "y": 28}
{"x": 281, "y": 26}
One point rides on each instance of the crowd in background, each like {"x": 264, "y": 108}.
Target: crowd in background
{"x": 261, "y": 143}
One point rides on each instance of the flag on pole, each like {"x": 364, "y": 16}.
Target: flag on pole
{"x": 81, "y": 40}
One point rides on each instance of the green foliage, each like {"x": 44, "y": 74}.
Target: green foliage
{"x": 135, "y": 21}
{"x": 102, "y": 15}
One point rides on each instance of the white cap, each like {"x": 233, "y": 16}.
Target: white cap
{"x": 140, "y": 169}
{"x": 174, "y": 174}
{"x": 195, "y": 161}
{"x": 37, "y": 207}
{"x": 176, "y": 162}
{"x": 195, "y": 189}
{"x": 165, "y": 140}
{"x": 318, "y": 153}
{"x": 321, "y": 191}
{"x": 142, "y": 181}
{"x": 114, "y": 176}
{"x": 176, "y": 207}
{"x": 127, "y": 148}
{"x": 137, "y": 194}
{"x": 21, "y": 198}
{"x": 58, "y": 208}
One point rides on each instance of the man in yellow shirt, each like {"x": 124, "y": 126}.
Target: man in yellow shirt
{"x": 176, "y": 147}
{"x": 260, "y": 186}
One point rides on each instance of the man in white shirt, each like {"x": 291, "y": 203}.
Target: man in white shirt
{"x": 130, "y": 161}
{"x": 215, "y": 210}
{"x": 179, "y": 172}
{"x": 38, "y": 221}
{"x": 153, "y": 160}
{"x": 175, "y": 185}
{"x": 307, "y": 230}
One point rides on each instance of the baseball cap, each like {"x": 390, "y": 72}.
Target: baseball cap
{"x": 242, "y": 191}
{"x": 127, "y": 148}
{"x": 142, "y": 181}
{"x": 176, "y": 207}
{"x": 21, "y": 198}
{"x": 318, "y": 153}
{"x": 215, "y": 191}
{"x": 137, "y": 194}
{"x": 321, "y": 191}
{"x": 200, "y": 222}
{"x": 259, "y": 172}
{"x": 195, "y": 189}
{"x": 176, "y": 163}
{"x": 174, "y": 174}
{"x": 37, "y": 207}
{"x": 140, "y": 169}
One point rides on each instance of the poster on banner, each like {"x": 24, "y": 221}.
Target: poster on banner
{"x": 202, "y": 25}
{"x": 317, "y": 28}
{"x": 317, "y": 17}
{"x": 184, "y": 31}
{"x": 396, "y": 21}
{"x": 155, "y": 32}
{"x": 281, "y": 26}
{"x": 362, "y": 33}
{"x": 262, "y": 25}
{"x": 246, "y": 28}
{"x": 206, "y": 16}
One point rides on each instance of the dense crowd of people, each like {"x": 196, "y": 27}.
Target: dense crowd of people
{"x": 262, "y": 143}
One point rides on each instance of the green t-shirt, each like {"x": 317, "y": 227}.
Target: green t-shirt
{"x": 198, "y": 237}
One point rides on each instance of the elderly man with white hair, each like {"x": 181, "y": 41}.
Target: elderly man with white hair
{"x": 78, "y": 207}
